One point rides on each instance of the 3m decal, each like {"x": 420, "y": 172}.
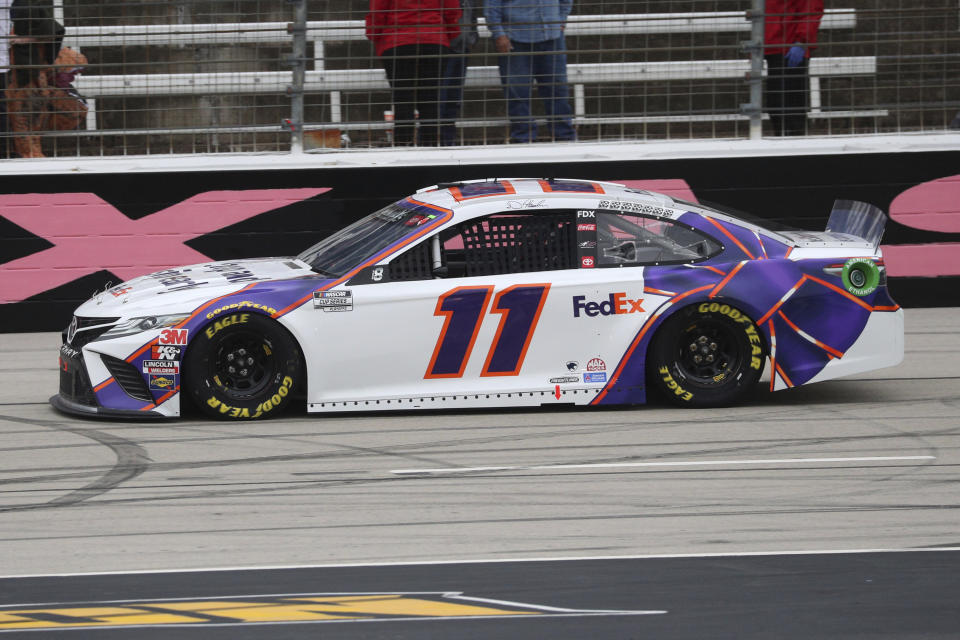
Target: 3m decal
{"x": 333, "y": 301}
{"x": 84, "y": 229}
{"x": 219, "y": 325}
{"x": 175, "y": 337}
{"x": 616, "y": 303}
{"x": 256, "y": 609}
{"x": 463, "y": 309}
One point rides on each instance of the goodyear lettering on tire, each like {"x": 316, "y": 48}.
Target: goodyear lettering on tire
{"x": 264, "y": 407}
{"x": 756, "y": 348}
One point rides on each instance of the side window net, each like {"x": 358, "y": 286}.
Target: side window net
{"x": 414, "y": 264}
{"x": 507, "y": 243}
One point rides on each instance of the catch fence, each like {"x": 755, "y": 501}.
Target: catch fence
{"x": 219, "y": 76}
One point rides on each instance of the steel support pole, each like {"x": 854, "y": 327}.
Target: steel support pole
{"x": 754, "y": 46}
{"x": 298, "y": 29}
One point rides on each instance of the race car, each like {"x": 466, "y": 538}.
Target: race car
{"x": 495, "y": 293}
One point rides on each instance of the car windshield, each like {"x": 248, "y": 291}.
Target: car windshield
{"x": 349, "y": 247}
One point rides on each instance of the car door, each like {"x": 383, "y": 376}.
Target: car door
{"x": 505, "y": 309}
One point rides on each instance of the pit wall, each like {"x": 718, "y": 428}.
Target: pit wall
{"x": 64, "y": 236}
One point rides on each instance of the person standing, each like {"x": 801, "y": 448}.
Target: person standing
{"x": 411, "y": 38}
{"x": 790, "y": 34}
{"x": 455, "y": 70}
{"x": 528, "y": 35}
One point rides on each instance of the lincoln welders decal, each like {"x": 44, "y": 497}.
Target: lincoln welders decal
{"x": 90, "y": 235}
{"x": 300, "y": 608}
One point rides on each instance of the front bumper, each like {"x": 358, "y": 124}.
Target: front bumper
{"x": 69, "y": 406}
{"x": 77, "y": 396}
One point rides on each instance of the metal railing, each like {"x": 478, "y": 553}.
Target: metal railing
{"x": 202, "y": 77}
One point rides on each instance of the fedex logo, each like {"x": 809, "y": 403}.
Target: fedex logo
{"x": 616, "y": 303}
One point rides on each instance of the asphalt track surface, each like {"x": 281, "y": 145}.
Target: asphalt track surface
{"x": 829, "y": 511}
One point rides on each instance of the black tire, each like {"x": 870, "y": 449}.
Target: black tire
{"x": 707, "y": 355}
{"x": 242, "y": 366}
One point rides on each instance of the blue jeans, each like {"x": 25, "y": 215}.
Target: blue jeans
{"x": 451, "y": 96}
{"x": 545, "y": 62}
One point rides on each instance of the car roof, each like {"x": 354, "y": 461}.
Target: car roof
{"x": 457, "y": 195}
{"x": 452, "y": 194}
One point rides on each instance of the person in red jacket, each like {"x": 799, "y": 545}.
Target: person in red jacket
{"x": 790, "y": 35}
{"x": 412, "y": 38}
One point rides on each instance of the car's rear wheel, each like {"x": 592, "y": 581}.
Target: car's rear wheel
{"x": 242, "y": 366}
{"x": 706, "y": 355}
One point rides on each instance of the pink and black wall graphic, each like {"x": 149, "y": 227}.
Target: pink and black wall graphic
{"x": 63, "y": 237}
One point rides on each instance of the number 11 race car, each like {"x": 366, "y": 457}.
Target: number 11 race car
{"x": 495, "y": 293}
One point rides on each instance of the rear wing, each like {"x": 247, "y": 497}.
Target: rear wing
{"x": 858, "y": 219}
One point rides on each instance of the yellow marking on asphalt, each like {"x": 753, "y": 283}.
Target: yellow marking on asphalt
{"x": 284, "y": 609}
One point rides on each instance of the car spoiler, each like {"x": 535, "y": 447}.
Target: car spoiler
{"x": 858, "y": 219}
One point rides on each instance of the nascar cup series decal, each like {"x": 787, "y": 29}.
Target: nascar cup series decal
{"x": 333, "y": 301}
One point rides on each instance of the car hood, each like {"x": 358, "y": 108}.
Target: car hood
{"x": 181, "y": 289}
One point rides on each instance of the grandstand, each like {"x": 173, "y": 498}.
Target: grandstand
{"x": 221, "y": 76}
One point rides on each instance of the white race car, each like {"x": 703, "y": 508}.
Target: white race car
{"x": 506, "y": 292}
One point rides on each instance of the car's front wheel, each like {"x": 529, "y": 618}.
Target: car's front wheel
{"x": 242, "y": 366}
{"x": 706, "y": 355}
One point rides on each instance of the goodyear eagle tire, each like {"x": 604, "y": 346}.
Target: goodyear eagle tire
{"x": 707, "y": 355}
{"x": 242, "y": 366}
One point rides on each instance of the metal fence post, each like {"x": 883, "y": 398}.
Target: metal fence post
{"x": 754, "y": 78}
{"x": 298, "y": 60}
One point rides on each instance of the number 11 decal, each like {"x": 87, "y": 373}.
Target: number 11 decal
{"x": 463, "y": 309}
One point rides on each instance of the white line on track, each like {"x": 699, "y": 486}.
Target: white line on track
{"x": 475, "y": 561}
{"x": 673, "y": 463}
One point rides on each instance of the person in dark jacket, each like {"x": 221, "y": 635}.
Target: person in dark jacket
{"x": 412, "y": 37}
{"x": 790, "y": 35}
{"x": 455, "y": 70}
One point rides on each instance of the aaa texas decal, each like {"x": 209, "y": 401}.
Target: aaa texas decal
{"x": 305, "y": 608}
